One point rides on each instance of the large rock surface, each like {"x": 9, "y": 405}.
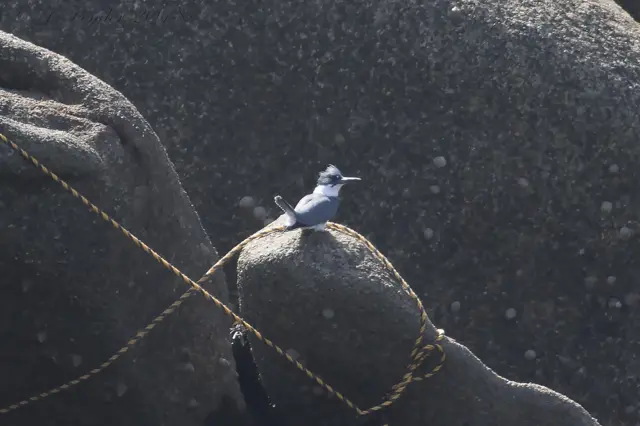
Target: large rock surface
{"x": 73, "y": 290}
{"x": 327, "y": 300}
{"x": 533, "y": 104}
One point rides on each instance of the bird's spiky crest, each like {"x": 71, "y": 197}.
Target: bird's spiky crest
{"x": 328, "y": 175}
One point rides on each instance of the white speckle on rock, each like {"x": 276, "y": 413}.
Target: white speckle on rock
{"x": 614, "y": 168}
{"x": 259, "y": 212}
{"x": 121, "y": 389}
{"x": 523, "y": 182}
{"x": 193, "y": 403}
{"x": 530, "y": 355}
{"x": 292, "y": 353}
{"x": 41, "y": 336}
{"x": 428, "y": 233}
{"x": 439, "y": 162}
{"x": 590, "y": 281}
{"x": 606, "y": 206}
{"x": 611, "y": 279}
{"x": 76, "y": 360}
{"x": 510, "y": 313}
{"x": 224, "y": 362}
{"x": 625, "y": 233}
{"x": 328, "y": 313}
{"x": 246, "y": 202}
{"x": 339, "y": 138}
{"x": 186, "y": 367}
{"x": 435, "y": 189}
{"x": 455, "y": 307}
{"x": 615, "y": 303}
{"x": 519, "y": 273}
{"x": 26, "y": 285}
{"x": 53, "y": 355}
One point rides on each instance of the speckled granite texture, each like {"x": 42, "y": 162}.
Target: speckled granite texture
{"x": 533, "y": 105}
{"x": 74, "y": 290}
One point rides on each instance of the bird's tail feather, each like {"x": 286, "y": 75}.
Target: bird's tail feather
{"x": 287, "y": 209}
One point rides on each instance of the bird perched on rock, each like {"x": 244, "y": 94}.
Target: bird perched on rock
{"x": 315, "y": 209}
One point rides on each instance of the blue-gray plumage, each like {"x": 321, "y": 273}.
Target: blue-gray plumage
{"x": 316, "y": 209}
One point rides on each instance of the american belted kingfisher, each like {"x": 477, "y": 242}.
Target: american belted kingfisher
{"x": 315, "y": 209}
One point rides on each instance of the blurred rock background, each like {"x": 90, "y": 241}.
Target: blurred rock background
{"x": 497, "y": 140}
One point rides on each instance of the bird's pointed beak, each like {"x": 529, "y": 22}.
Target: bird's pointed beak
{"x": 349, "y": 179}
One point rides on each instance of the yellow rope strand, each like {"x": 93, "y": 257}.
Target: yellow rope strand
{"x": 417, "y": 356}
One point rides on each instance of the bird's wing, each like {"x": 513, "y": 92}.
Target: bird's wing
{"x": 315, "y": 208}
{"x": 305, "y": 200}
